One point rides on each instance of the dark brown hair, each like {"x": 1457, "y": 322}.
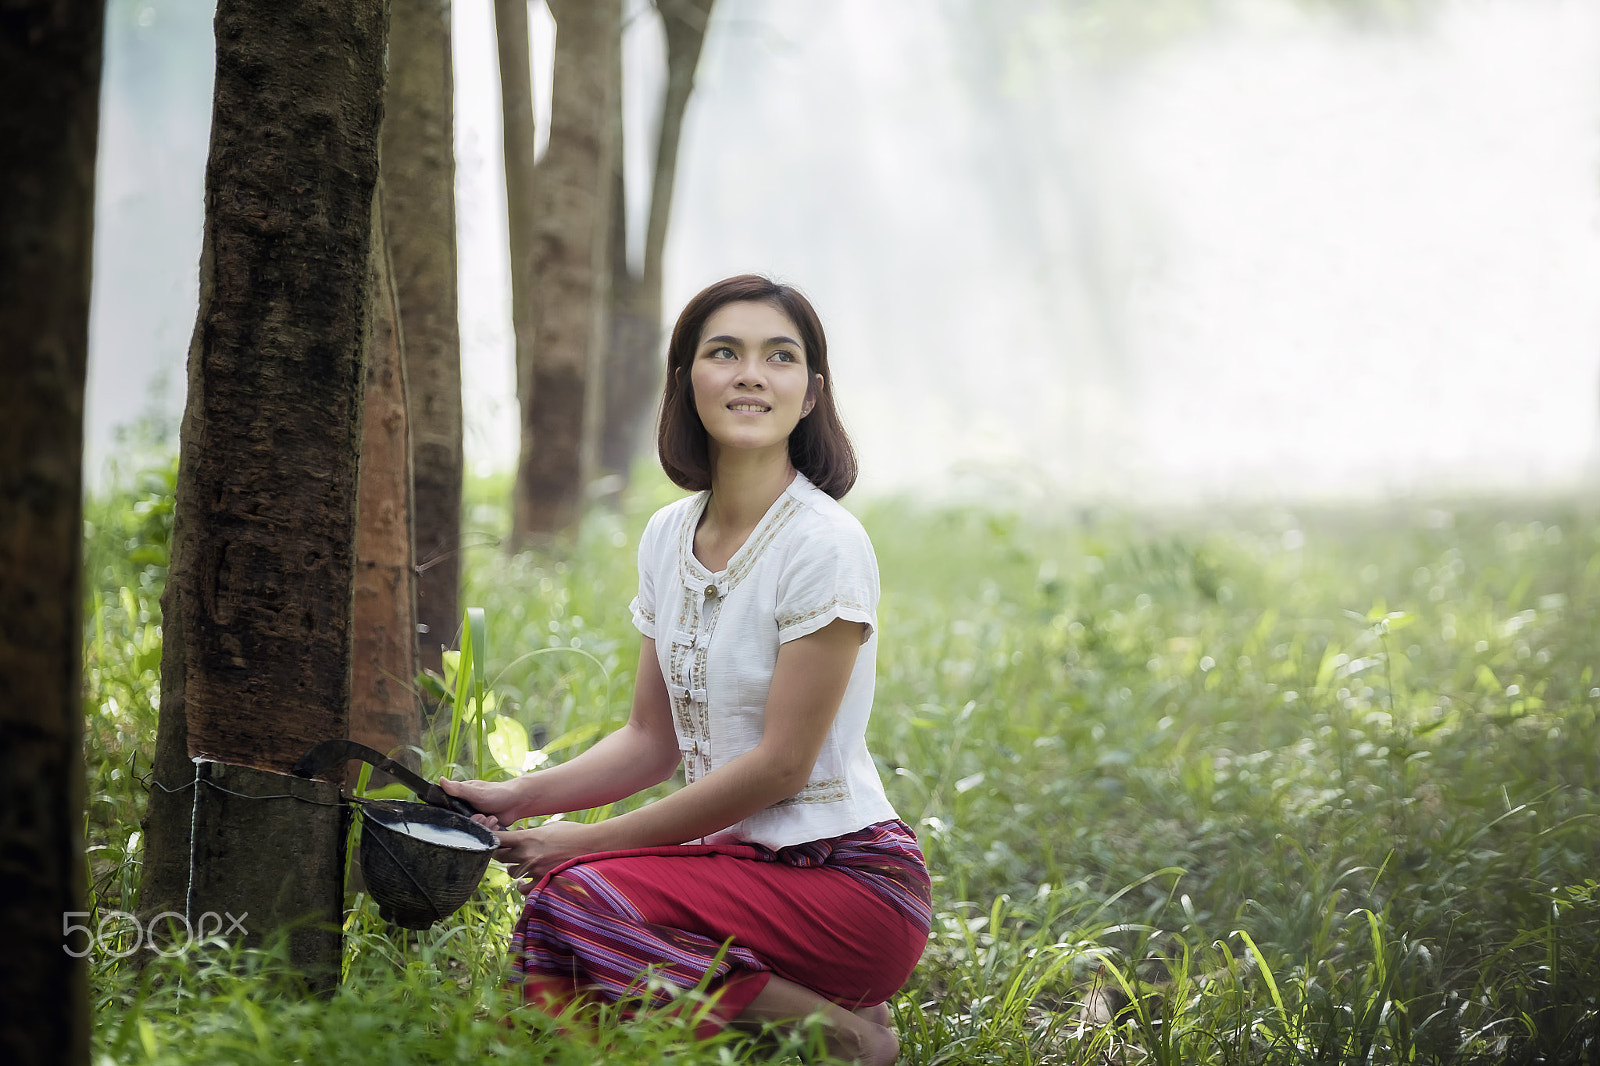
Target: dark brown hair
{"x": 819, "y": 447}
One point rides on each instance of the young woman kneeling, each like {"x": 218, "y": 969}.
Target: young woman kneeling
{"x": 780, "y": 868}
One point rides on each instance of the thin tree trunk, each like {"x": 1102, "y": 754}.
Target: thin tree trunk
{"x": 634, "y": 371}
{"x": 255, "y": 665}
{"x": 517, "y": 136}
{"x": 383, "y": 709}
{"x": 632, "y": 377}
{"x": 419, "y": 193}
{"x": 50, "y": 55}
{"x": 571, "y": 289}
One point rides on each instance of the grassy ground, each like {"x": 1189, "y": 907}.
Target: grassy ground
{"x": 1244, "y": 787}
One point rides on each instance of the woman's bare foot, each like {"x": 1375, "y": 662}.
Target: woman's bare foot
{"x": 856, "y": 1036}
{"x": 877, "y": 1014}
{"x": 882, "y": 1047}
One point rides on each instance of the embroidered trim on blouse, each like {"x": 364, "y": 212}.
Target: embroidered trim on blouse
{"x": 788, "y": 621}
{"x": 828, "y": 790}
{"x": 687, "y": 671}
{"x": 744, "y": 560}
{"x": 760, "y": 540}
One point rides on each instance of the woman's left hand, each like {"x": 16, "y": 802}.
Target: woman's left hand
{"x": 529, "y": 854}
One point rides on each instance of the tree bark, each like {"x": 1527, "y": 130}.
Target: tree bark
{"x": 572, "y": 212}
{"x": 256, "y": 654}
{"x": 633, "y": 376}
{"x": 517, "y": 137}
{"x": 383, "y": 710}
{"x": 50, "y": 57}
{"x": 419, "y": 210}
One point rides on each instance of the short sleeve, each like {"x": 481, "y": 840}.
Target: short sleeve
{"x": 643, "y": 606}
{"x": 831, "y": 575}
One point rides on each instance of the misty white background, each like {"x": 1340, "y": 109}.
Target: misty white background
{"x": 1280, "y": 254}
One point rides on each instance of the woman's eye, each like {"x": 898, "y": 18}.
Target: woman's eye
{"x": 721, "y": 353}
{"x": 783, "y": 356}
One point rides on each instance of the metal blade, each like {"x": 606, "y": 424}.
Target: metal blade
{"x": 333, "y": 752}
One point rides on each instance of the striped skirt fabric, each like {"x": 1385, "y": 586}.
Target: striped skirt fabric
{"x": 847, "y": 918}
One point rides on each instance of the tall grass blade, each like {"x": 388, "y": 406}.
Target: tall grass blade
{"x": 1266, "y": 972}
{"x": 478, "y": 629}
{"x": 460, "y": 696}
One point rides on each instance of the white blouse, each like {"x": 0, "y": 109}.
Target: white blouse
{"x": 807, "y": 563}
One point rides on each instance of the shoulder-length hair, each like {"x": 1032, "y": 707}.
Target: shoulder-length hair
{"x": 819, "y": 447}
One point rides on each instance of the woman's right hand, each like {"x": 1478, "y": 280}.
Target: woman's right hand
{"x": 501, "y": 802}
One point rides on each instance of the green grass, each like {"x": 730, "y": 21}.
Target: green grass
{"x": 1269, "y": 786}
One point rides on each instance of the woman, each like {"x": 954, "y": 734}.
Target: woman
{"x": 780, "y": 867}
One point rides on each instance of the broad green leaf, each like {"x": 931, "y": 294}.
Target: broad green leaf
{"x": 508, "y": 743}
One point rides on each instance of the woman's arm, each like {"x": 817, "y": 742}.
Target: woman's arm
{"x": 642, "y": 753}
{"x": 808, "y": 685}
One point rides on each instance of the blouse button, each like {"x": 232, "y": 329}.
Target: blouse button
{"x": 711, "y": 591}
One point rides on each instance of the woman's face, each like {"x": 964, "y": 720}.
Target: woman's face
{"x": 749, "y": 378}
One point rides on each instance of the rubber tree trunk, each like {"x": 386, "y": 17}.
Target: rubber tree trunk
{"x": 420, "y": 223}
{"x": 634, "y": 366}
{"x": 50, "y": 53}
{"x": 572, "y": 212}
{"x": 256, "y": 615}
{"x": 632, "y": 378}
{"x": 384, "y": 712}
{"x": 517, "y": 136}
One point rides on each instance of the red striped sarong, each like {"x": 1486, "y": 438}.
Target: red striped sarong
{"x": 847, "y": 918}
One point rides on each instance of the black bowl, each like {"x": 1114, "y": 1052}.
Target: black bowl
{"x": 418, "y": 881}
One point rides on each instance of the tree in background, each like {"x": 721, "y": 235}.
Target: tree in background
{"x": 633, "y": 366}
{"x": 420, "y": 226}
{"x": 384, "y": 712}
{"x": 256, "y": 614}
{"x": 518, "y": 136}
{"x": 572, "y": 214}
{"x": 50, "y": 56}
